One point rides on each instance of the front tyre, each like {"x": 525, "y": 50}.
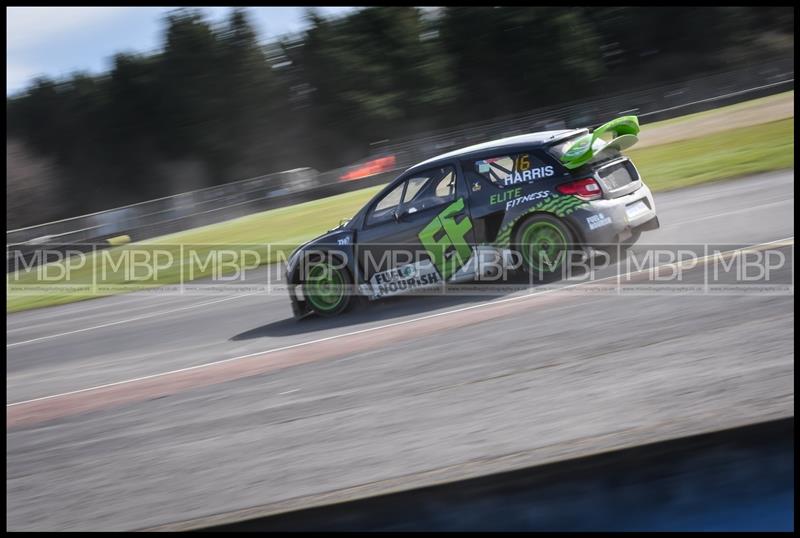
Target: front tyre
{"x": 543, "y": 242}
{"x": 328, "y": 289}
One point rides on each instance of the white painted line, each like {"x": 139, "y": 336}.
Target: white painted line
{"x": 78, "y": 315}
{"x": 398, "y": 323}
{"x": 21, "y": 317}
{"x": 288, "y": 392}
{"x": 145, "y": 316}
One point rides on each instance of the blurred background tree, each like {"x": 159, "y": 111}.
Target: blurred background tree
{"x": 216, "y": 105}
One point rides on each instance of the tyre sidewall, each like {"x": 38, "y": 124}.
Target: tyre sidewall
{"x": 347, "y": 299}
{"x": 554, "y": 221}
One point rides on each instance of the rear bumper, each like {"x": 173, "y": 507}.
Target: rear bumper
{"x": 651, "y": 224}
{"x": 608, "y": 222}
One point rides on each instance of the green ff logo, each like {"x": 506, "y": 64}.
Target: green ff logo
{"x": 453, "y": 236}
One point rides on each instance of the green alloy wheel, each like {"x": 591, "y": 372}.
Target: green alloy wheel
{"x": 327, "y": 289}
{"x": 543, "y": 242}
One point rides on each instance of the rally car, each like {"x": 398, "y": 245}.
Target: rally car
{"x": 535, "y": 195}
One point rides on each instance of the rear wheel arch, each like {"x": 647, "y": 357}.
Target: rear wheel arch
{"x": 577, "y": 233}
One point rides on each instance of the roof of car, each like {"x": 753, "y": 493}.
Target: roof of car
{"x": 530, "y": 139}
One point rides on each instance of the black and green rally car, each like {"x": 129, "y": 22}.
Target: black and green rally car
{"x": 524, "y": 200}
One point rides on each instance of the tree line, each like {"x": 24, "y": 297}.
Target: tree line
{"x": 216, "y": 104}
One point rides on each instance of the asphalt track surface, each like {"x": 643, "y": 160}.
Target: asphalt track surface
{"x": 120, "y": 415}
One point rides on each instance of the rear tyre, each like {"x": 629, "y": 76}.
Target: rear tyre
{"x": 328, "y": 289}
{"x": 543, "y": 242}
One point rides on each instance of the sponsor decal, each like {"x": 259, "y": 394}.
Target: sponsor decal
{"x": 504, "y": 196}
{"x": 476, "y": 187}
{"x": 598, "y": 221}
{"x": 510, "y": 170}
{"x": 526, "y": 176}
{"x": 344, "y": 241}
{"x": 446, "y": 259}
{"x": 528, "y": 198}
{"x": 560, "y": 206}
{"x": 580, "y": 146}
{"x": 514, "y": 197}
{"x": 404, "y": 278}
{"x": 485, "y": 166}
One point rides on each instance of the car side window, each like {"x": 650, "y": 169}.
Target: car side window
{"x": 439, "y": 187}
{"x": 414, "y": 186}
{"x": 385, "y": 207}
{"x": 511, "y": 169}
{"x": 424, "y": 190}
{"x": 447, "y": 186}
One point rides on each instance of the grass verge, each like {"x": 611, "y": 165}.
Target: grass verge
{"x": 729, "y": 154}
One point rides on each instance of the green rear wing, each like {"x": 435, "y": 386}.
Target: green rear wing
{"x": 616, "y": 135}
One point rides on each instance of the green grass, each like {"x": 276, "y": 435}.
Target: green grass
{"x": 728, "y": 154}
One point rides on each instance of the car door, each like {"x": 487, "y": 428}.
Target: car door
{"x": 421, "y": 226}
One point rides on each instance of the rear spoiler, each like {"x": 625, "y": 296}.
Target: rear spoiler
{"x": 623, "y": 133}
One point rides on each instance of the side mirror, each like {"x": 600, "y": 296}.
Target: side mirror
{"x": 400, "y": 214}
